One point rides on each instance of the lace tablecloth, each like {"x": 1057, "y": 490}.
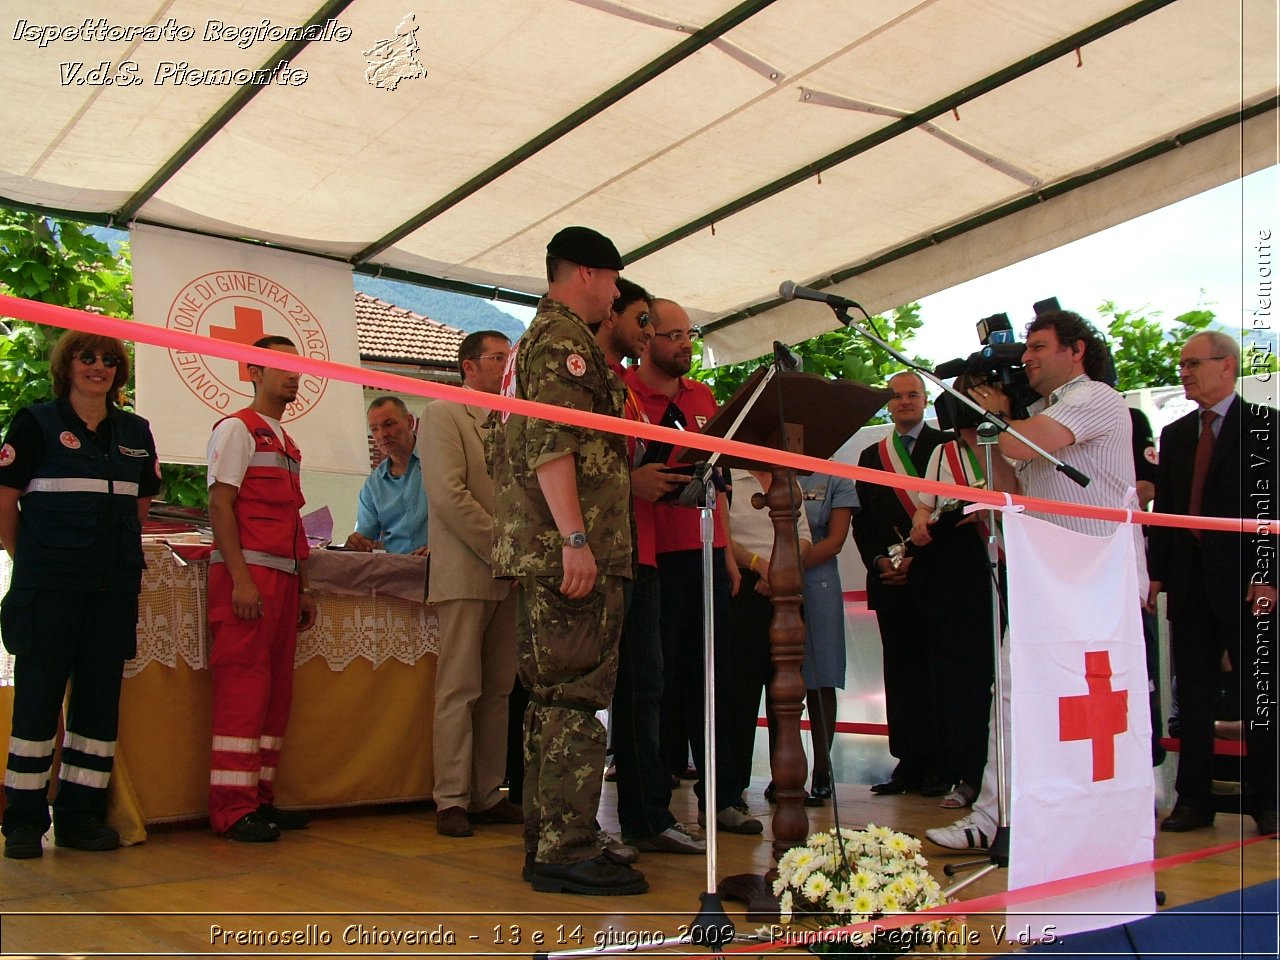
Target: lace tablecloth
{"x": 372, "y": 626}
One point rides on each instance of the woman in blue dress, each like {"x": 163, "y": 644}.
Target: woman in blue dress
{"x": 829, "y": 506}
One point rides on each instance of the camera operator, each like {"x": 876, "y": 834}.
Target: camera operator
{"x": 1086, "y": 424}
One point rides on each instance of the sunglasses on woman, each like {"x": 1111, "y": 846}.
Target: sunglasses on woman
{"x": 89, "y": 358}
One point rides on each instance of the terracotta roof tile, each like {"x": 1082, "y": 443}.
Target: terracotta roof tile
{"x": 390, "y": 332}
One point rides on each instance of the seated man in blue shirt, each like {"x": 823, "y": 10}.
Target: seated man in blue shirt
{"x": 392, "y": 514}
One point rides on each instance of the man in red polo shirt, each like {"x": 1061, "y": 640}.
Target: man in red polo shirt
{"x": 668, "y": 396}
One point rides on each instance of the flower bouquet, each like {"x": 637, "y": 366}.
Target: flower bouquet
{"x": 844, "y": 877}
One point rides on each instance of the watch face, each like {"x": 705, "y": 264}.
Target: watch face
{"x": 576, "y": 540}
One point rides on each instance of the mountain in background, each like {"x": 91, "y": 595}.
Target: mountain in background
{"x": 455, "y": 309}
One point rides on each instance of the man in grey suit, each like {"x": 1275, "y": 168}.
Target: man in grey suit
{"x": 477, "y": 664}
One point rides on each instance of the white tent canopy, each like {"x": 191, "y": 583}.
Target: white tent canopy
{"x": 891, "y": 147}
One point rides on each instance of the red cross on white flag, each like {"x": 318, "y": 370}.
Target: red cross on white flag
{"x": 1098, "y": 716}
{"x": 1082, "y": 795}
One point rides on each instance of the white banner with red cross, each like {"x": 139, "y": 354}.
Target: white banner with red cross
{"x": 1082, "y": 793}
{"x": 238, "y": 293}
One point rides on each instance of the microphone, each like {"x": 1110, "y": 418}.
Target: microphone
{"x": 786, "y": 358}
{"x": 791, "y": 291}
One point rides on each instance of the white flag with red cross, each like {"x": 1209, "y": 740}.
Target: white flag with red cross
{"x": 1082, "y": 793}
{"x": 239, "y": 292}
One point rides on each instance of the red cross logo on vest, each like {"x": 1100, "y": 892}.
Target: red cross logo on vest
{"x": 1098, "y": 716}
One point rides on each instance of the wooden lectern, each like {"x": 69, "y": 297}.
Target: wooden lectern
{"x": 800, "y": 413}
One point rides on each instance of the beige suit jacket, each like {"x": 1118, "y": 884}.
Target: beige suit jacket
{"x": 460, "y": 495}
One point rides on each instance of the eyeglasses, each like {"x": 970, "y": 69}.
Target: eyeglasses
{"x": 89, "y": 358}
{"x": 680, "y": 336}
{"x": 1191, "y": 363}
{"x": 492, "y": 356}
{"x": 913, "y": 395}
{"x": 642, "y": 321}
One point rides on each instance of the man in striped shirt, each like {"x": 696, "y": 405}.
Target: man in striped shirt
{"x": 1086, "y": 424}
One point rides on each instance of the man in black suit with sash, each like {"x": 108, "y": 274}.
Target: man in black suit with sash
{"x": 883, "y": 522}
{"x": 1219, "y": 461}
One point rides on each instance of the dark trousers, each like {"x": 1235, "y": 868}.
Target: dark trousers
{"x": 909, "y": 709}
{"x": 1199, "y": 639}
{"x": 644, "y": 784}
{"x": 683, "y": 672}
{"x": 750, "y": 615}
{"x": 60, "y": 638}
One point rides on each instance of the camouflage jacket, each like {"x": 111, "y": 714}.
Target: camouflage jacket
{"x": 558, "y": 362}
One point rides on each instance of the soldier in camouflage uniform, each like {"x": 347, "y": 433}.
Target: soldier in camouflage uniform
{"x": 562, "y": 529}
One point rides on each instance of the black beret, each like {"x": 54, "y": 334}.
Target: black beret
{"x": 584, "y": 246}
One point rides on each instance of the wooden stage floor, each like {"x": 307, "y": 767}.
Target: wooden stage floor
{"x": 363, "y": 881}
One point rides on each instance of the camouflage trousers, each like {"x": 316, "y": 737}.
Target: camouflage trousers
{"x": 569, "y": 663}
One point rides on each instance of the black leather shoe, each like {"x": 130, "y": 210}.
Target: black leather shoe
{"x": 894, "y": 784}
{"x": 22, "y": 842}
{"x": 1267, "y": 822}
{"x": 934, "y": 787}
{"x": 252, "y": 828}
{"x": 819, "y": 792}
{"x": 598, "y": 877}
{"x": 771, "y": 793}
{"x": 84, "y": 833}
{"x": 1184, "y": 818}
{"x": 284, "y": 819}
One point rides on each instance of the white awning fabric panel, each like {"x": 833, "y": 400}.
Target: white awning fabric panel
{"x": 714, "y": 176}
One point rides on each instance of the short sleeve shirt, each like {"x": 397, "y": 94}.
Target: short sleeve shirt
{"x": 23, "y": 448}
{"x": 676, "y": 527}
{"x": 1099, "y": 420}
{"x": 394, "y": 509}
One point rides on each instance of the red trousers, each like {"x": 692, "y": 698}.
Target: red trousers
{"x": 252, "y": 666}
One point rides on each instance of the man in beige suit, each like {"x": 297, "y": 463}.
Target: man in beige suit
{"x": 477, "y": 664}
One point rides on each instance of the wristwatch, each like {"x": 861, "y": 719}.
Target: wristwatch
{"x": 576, "y": 539}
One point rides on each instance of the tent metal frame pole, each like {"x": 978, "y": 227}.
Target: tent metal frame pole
{"x": 906, "y": 124}
{"x": 1051, "y": 192}
{"x": 224, "y": 115}
{"x": 651, "y": 70}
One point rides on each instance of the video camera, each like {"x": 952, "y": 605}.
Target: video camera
{"x": 998, "y": 363}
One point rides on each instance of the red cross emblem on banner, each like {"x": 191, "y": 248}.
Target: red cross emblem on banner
{"x": 1098, "y": 716}
{"x": 247, "y": 330}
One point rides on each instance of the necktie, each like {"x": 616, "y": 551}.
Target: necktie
{"x": 908, "y": 441}
{"x": 1204, "y": 453}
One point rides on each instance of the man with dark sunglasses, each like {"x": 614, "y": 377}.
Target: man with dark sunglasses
{"x": 644, "y": 786}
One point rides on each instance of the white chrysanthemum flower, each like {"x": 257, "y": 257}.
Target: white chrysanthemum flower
{"x": 898, "y": 843}
{"x": 784, "y": 906}
{"x": 889, "y": 903}
{"x": 864, "y": 903}
{"x": 816, "y": 887}
{"x": 863, "y": 880}
{"x": 840, "y": 901}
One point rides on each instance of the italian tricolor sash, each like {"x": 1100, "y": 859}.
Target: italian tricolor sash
{"x": 895, "y": 459}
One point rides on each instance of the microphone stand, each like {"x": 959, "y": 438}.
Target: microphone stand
{"x": 989, "y": 431}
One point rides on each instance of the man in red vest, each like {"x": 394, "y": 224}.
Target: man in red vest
{"x": 258, "y": 601}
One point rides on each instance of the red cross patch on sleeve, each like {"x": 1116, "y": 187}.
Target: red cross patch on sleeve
{"x": 7, "y": 455}
{"x": 575, "y": 364}
{"x": 69, "y": 440}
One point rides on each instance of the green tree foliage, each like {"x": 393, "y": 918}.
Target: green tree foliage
{"x": 837, "y": 353}
{"x": 60, "y": 262}
{"x": 53, "y": 262}
{"x": 1146, "y": 351}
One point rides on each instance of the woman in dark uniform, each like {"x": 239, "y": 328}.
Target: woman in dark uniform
{"x": 77, "y": 476}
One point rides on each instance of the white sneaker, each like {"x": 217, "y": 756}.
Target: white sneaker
{"x": 675, "y": 839}
{"x": 739, "y": 820}
{"x": 964, "y": 834}
{"x": 616, "y": 850}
